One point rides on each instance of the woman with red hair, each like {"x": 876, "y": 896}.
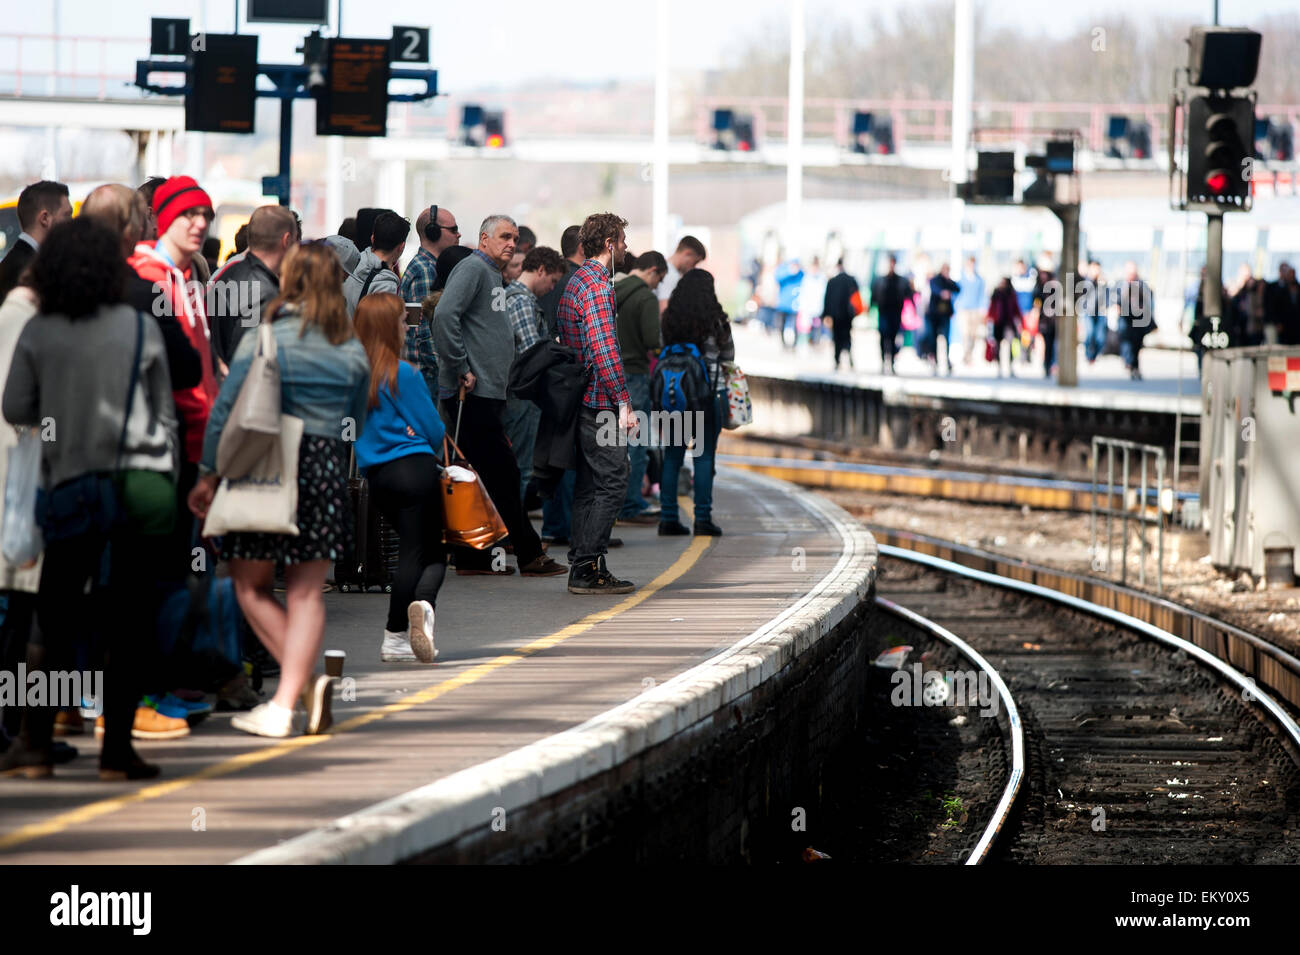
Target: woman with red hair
{"x": 398, "y": 453}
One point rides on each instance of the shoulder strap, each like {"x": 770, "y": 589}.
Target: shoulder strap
{"x": 130, "y": 391}
{"x": 370, "y": 278}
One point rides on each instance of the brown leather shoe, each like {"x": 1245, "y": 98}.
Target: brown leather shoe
{"x": 544, "y": 567}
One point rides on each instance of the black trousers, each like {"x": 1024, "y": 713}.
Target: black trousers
{"x": 890, "y": 325}
{"x": 483, "y": 441}
{"x": 843, "y": 342}
{"x": 73, "y": 599}
{"x": 406, "y": 492}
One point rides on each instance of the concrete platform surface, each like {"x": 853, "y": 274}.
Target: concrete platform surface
{"x": 520, "y": 660}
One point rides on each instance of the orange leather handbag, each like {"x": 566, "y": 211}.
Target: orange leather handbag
{"x": 470, "y": 519}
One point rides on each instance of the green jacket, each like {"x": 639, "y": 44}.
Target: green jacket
{"x": 638, "y": 323}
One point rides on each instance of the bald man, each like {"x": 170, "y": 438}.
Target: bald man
{"x": 240, "y": 293}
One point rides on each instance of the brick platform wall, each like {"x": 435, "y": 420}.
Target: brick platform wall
{"x": 723, "y": 791}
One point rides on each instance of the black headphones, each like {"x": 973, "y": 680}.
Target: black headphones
{"x": 433, "y": 231}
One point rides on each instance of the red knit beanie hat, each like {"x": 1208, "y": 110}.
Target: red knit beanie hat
{"x": 175, "y": 196}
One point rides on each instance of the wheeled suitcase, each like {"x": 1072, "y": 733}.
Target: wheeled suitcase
{"x": 371, "y": 560}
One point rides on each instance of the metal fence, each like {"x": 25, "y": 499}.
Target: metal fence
{"x": 1134, "y": 506}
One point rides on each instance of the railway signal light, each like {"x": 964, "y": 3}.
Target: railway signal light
{"x": 732, "y": 130}
{"x": 995, "y": 174}
{"x": 1220, "y": 151}
{"x": 872, "y": 134}
{"x": 481, "y": 127}
{"x": 1126, "y": 139}
{"x": 494, "y": 129}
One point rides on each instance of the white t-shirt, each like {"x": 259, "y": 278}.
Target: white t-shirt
{"x": 668, "y": 283}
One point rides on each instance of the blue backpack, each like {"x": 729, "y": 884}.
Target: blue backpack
{"x": 681, "y": 381}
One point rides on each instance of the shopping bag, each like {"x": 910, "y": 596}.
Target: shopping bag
{"x": 266, "y": 499}
{"x": 990, "y": 349}
{"x": 20, "y": 540}
{"x": 254, "y": 422}
{"x": 740, "y": 410}
{"x": 911, "y": 319}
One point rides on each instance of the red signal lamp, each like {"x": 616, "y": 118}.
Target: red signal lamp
{"x": 1217, "y": 182}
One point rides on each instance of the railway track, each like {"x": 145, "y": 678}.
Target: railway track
{"x": 1125, "y": 743}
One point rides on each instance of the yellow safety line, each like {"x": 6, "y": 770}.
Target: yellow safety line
{"x": 234, "y": 764}
{"x": 922, "y": 485}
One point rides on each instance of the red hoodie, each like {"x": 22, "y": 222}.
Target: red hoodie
{"x": 192, "y": 404}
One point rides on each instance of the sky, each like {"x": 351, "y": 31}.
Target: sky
{"x": 510, "y": 42}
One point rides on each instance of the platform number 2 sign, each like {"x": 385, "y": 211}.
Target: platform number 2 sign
{"x": 410, "y": 45}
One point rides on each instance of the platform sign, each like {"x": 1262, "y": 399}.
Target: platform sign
{"x": 288, "y": 11}
{"x": 355, "y": 100}
{"x": 410, "y": 45}
{"x": 223, "y": 85}
{"x": 169, "y": 37}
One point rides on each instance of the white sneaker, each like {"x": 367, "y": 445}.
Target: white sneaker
{"x": 266, "y": 719}
{"x": 397, "y": 647}
{"x": 420, "y": 615}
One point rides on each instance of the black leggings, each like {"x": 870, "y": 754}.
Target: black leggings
{"x": 407, "y": 493}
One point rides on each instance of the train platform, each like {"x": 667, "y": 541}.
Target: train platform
{"x": 520, "y": 661}
{"x": 1170, "y": 382}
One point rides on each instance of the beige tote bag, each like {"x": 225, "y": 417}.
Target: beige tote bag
{"x": 266, "y": 499}
{"x": 254, "y": 420}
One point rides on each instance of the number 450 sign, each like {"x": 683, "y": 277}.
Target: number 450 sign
{"x": 410, "y": 45}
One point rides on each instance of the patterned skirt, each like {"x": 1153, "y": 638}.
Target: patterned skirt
{"x": 324, "y": 511}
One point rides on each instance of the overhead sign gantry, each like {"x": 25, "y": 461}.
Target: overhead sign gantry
{"x": 348, "y": 78}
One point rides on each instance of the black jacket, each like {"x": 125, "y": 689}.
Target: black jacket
{"x": 182, "y": 360}
{"x": 838, "y": 304}
{"x": 552, "y": 376}
{"x": 12, "y": 266}
{"x": 239, "y": 299}
{"x": 1281, "y": 308}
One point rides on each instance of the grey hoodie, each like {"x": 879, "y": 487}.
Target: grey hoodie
{"x": 385, "y": 280}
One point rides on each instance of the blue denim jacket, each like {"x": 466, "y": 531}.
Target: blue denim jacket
{"x": 323, "y": 384}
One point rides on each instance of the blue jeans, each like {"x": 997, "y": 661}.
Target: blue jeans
{"x": 638, "y": 386}
{"x": 1095, "y": 330}
{"x": 557, "y": 510}
{"x": 520, "y": 421}
{"x": 705, "y": 466}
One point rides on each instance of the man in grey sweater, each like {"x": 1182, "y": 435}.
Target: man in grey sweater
{"x": 476, "y": 347}
{"x": 374, "y": 272}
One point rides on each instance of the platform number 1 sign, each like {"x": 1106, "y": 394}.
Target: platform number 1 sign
{"x": 169, "y": 37}
{"x": 410, "y": 45}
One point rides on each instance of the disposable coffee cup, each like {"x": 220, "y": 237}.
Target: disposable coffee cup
{"x": 334, "y": 662}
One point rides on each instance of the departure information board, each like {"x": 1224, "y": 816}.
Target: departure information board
{"x": 223, "y": 84}
{"x": 355, "y": 100}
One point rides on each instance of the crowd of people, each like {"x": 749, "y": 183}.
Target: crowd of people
{"x": 1016, "y": 321}
{"x": 128, "y": 349}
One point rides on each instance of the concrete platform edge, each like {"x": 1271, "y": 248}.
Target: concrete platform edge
{"x": 414, "y": 822}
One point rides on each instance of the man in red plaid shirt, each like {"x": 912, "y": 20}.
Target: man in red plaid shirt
{"x": 587, "y": 322}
